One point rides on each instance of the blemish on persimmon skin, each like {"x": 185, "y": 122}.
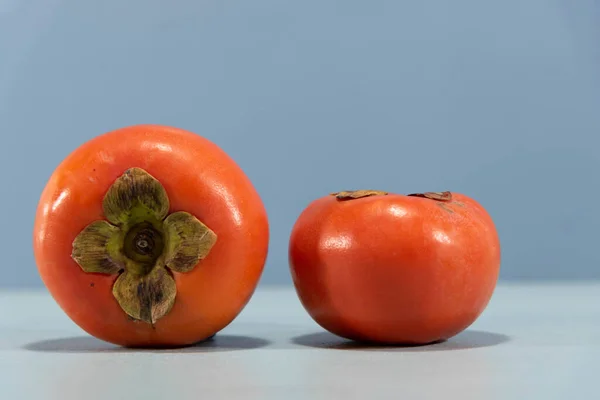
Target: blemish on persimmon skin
{"x": 445, "y": 207}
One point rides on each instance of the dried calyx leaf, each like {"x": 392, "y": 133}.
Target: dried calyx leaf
{"x": 357, "y": 194}
{"x": 92, "y": 248}
{"x": 439, "y": 196}
{"x": 146, "y": 297}
{"x": 188, "y": 241}
{"x": 135, "y": 195}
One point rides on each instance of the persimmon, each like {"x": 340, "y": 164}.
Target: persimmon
{"x": 150, "y": 236}
{"x": 388, "y": 268}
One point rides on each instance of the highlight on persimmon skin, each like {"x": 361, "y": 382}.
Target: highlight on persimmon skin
{"x": 387, "y": 268}
{"x": 150, "y": 236}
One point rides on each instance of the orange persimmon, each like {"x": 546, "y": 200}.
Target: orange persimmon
{"x": 150, "y": 236}
{"x": 396, "y": 269}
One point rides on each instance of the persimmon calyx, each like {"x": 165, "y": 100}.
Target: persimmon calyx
{"x": 357, "y": 194}
{"x": 142, "y": 244}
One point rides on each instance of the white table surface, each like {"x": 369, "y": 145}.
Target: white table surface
{"x": 532, "y": 342}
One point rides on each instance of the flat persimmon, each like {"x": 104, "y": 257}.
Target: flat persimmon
{"x": 150, "y": 236}
{"x": 396, "y": 269}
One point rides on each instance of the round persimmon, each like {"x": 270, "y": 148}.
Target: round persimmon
{"x": 150, "y": 236}
{"x": 394, "y": 269}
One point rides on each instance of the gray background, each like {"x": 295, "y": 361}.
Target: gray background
{"x": 498, "y": 99}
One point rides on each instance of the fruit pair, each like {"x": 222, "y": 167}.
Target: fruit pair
{"x": 153, "y": 236}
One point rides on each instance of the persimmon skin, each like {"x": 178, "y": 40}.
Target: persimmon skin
{"x": 199, "y": 178}
{"x": 394, "y": 269}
